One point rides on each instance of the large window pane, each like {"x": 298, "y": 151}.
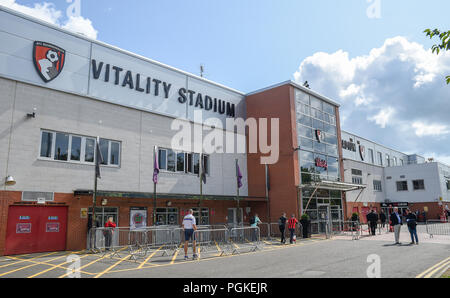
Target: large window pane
{"x": 319, "y": 147}
{"x": 306, "y": 144}
{"x": 316, "y": 103}
{"x": 301, "y": 96}
{"x": 162, "y": 159}
{"x": 180, "y": 162}
{"x": 115, "y": 151}
{"x": 305, "y": 155}
{"x": 196, "y": 163}
{"x": 89, "y": 151}
{"x": 305, "y": 131}
{"x": 304, "y": 109}
{"x": 189, "y": 163}
{"x": 62, "y": 146}
{"x": 318, "y": 124}
{"x": 206, "y": 164}
{"x": 75, "y": 150}
{"x": 317, "y": 114}
{"x": 305, "y": 120}
{"x": 329, "y": 108}
{"x": 104, "y": 150}
{"x": 46, "y": 144}
{"x": 171, "y": 161}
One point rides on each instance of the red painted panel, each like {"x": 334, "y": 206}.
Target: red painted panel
{"x": 33, "y": 229}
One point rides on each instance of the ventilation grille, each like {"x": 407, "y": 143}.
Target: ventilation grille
{"x": 33, "y": 196}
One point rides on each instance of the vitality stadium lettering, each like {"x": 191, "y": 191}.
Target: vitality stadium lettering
{"x": 155, "y": 87}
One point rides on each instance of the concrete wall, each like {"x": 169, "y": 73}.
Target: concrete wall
{"x": 368, "y": 194}
{"x": 138, "y": 131}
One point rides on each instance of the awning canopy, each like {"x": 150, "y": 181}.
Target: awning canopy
{"x": 334, "y": 185}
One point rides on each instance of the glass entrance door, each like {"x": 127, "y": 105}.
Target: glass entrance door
{"x": 324, "y": 216}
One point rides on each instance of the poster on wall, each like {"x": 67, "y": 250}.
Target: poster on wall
{"x": 52, "y": 227}
{"x": 23, "y": 228}
{"x": 138, "y": 218}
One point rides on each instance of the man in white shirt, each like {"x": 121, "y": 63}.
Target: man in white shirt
{"x": 189, "y": 227}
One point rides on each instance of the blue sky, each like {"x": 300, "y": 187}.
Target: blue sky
{"x": 249, "y": 44}
{"x": 390, "y": 87}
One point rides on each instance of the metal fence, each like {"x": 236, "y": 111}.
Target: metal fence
{"x": 436, "y": 227}
{"x": 346, "y": 228}
{"x": 244, "y": 238}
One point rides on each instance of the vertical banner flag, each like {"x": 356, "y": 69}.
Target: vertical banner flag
{"x": 99, "y": 159}
{"x": 238, "y": 175}
{"x": 155, "y": 165}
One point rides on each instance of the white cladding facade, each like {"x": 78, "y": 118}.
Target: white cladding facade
{"x": 77, "y": 103}
{"x": 395, "y": 177}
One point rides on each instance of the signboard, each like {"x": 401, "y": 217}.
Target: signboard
{"x": 53, "y": 218}
{"x": 83, "y": 213}
{"x": 397, "y": 204}
{"x": 23, "y": 228}
{"x": 138, "y": 218}
{"x": 24, "y": 218}
{"x": 52, "y": 227}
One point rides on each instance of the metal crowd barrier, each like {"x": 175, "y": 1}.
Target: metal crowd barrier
{"x": 212, "y": 240}
{"x": 346, "y": 228}
{"x": 244, "y": 238}
{"x": 437, "y": 227}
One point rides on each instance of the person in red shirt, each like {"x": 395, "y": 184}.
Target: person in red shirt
{"x": 291, "y": 226}
{"x": 109, "y": 232}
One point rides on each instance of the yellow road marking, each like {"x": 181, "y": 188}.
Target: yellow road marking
{"x": 176, "y": 254}
{"x": 445, "y": 265}
{"x": 111, "y": 267}
{"x": 32, "y": 265}
{"x": 234, "y": 244}
{"x": 432, "y": 267}
{"x": 149, "y": 257}
{"x": 93, "y": 262}
{"x": 54, "y": 267}
{"x": 22, "y": 260}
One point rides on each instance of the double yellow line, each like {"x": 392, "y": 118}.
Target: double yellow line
{"x": 434, "y": 269}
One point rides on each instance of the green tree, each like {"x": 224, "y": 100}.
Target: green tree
{"x": 443, "y": 46}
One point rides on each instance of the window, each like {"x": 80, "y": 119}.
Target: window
{"x": 166, "y": 216}
{"x": 418, "y": 184}
{"x": 448, "y": 184}
{"x": 402, "y": 185}
{"x": 380, "y": 158}
{"x": 162, "y": 159}
{"x": 170, "y": 160}
{"x": 388, "y": 161}
{"x": 74, "y": 148}
{"x": 395, "y": 161}
{"x": 357, "y": 180}
{"x": 401, "y": 162}
{"x": 356, "y": 172}
{"x": 205, "y": 215}
{"x": 371, "y": 156}
{"x": 377, "y": 185}
{"x": 182, "y": 162}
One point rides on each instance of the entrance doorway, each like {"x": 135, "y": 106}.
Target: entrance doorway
{"x": 33, "y": 229}
{"x": 324, "y": 216}
{"x": 233, "y": 216}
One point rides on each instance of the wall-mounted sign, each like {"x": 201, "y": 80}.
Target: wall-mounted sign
{"x": 52, "y": 227}
{"x": 83, "y": 213}
{"x": 347, "y": 145}
{"x": 362, "y": 152}
{"x": 24, "y": 218}
{"x": 23, "y": 228}
{"x": 138, "y": 218}
{"x": 48, "y": 60}
{"x": 399, "y": 204}
{"x": 53, "y": 218}
{"x": 321, "y": 163}
{"x": 319, "y": 135}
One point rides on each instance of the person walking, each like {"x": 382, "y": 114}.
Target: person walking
{"x": 189, "y": 226}
{"x": 411, "y": 221}
{"x": 291, "y": 226}
{"x": 382, "y": 218}
{"x": 372, "y": 219}
{"x": 109, "y": 232}
{"x": 396, "y": 222}
{"x": 254, "y": 224}
{"x": 282, "y": 226}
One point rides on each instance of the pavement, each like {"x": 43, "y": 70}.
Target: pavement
{"x": 339, "y": 257}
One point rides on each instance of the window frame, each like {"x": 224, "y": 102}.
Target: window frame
{"x": 417, "y": 180}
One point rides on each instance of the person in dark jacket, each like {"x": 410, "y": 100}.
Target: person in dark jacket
{"x": 396, "y": 222}
{"x": 372, "y": 219}
{"x": 382, "y": 218}
{"x": 92, "y": 234}
{"x": 411, "y": 221}
{"x": 282, "y": 226}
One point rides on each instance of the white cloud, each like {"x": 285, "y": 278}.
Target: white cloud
{"x": 423, "y": 129}
{"x": 383, "y": 117}
{"x": 47, "y": 12}
{"x": 395, "y": 95}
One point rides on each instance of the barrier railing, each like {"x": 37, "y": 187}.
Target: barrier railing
{"x": 437, "y": 227}
{"x": 346, "y": 228}
{"x": 244, "y": 238}
{"x": 208, "y": 240}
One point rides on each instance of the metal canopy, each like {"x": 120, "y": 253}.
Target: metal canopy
{"x": 333, "y": 185}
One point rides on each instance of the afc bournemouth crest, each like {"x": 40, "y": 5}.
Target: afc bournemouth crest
{"x": 48, "y": 60}
{"x": 362, "y": 151}
{"x": 319, "y": 136}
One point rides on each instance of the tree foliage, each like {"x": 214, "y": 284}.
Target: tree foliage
{"x": 444, "y": 37}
